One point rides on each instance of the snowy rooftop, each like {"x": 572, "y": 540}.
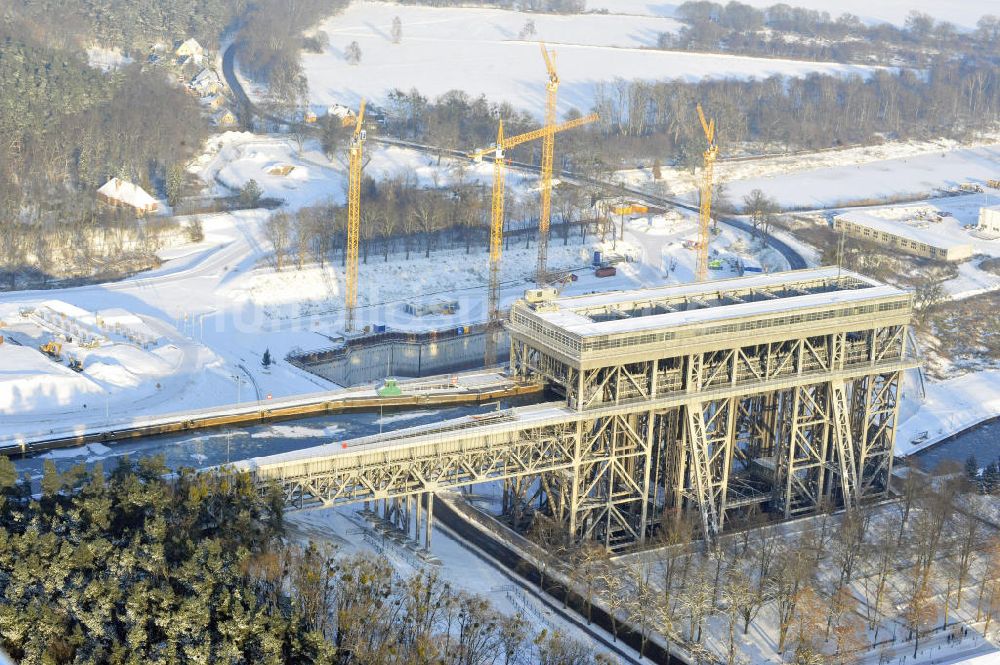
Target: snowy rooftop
{"x": 127, "y": 193}
{"x": 922, "y": 232}
{"x": 679, "y": 305}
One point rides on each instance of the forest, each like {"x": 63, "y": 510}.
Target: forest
{"x": 136, "y": 566}
{"x": 953, "y": 97}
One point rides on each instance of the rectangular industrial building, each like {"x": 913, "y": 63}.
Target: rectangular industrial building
{"x": 920, "y": 240}
{"x": 989, "y": 219}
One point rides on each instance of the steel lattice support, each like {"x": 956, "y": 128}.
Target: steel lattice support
{"x": 787, "y": 414}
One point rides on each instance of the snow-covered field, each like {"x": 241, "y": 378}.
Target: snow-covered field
{"x": 774, "y": 170}
{"x": 840, "y": 185}
{"x": 962, "y": 13}
{"x": 833, "y": 178}
{"x": 482, "y": 51}
{"x": 233, "y": 158}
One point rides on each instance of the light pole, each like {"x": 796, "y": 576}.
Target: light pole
{"x": 239, "y": 388}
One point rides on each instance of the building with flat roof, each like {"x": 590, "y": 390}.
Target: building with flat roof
{"x": 989, "y": 219}
{"x": 918, "y": 238}
{"x": 623, "y": 326}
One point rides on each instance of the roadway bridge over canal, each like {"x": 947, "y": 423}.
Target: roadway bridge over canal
{"x": 777, "y": 390}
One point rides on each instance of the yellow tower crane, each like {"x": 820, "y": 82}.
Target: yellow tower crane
{"x": 548, "y": 151}
{"x": 705, "y": 211}
{"x": 353, "y": 220}
{"x": 496, "y": 224}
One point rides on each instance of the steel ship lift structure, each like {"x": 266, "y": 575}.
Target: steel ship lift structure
{"x": 778, "y": 390}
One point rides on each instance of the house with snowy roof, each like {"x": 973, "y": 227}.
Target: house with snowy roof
{"x": 206, "y": 82}
{"x": 190, "y": 48}
{"x": 225, "y": 118}
{"x": 122, "y": 193}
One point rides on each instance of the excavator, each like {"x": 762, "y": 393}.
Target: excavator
{"x": 52, "y": 349}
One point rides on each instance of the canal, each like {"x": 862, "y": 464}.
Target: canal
{"x": 981, "y": 442}
{"x": 212, "y": 447}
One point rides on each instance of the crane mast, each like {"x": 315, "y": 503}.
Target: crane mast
{"x": 496, "y": 223}
{"x": 548, "y": 151}
{"x": 705, "y": 210}
{"x": 353, "y": 220}
{"x": 496, "y": 248}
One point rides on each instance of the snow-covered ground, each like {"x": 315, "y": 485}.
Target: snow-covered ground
{"x": 190, "y": 334}
{"x": 483, "y": 51}
{"x": 950, "y": 406}
{"x": 233, "y": 158}
{"x": 840, "y": 185}
{"x": 962, "y": 13}
{"x": 832, "y": 178}
{"x": 106, "y": 59}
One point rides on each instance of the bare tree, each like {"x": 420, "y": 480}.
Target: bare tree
{"x": 920, "y": 610}
{"x": 761, "y": 209}
{"x": 278, "y": 230}
{"x": 878, "y": 562}
{"x": 969, "y": 537}
{"x": 591, "y": 565}
{"x": 792, "y": 569}
{"x": 697, "y": 598}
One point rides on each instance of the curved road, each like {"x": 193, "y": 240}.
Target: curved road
{"x": 795, "y": 260}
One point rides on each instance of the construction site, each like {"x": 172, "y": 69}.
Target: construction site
{"x": 545, "y": 281}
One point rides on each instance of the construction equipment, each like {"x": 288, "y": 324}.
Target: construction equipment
{"x": 353, "y": 220}
{"x": 705, "y": 212}
{"x": 496, "y": 224}
{"x": 52, "y": 349}
{"x": 548, "y": 150}
{"x": 75, "y": 365}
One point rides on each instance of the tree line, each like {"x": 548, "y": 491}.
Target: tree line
{"x": 796, "y": 32}
{"x": 398, "y": 217}
{"x": 646, "y": 119}
{"x": 951, "y": 98}
{"x": 270, "y": 40}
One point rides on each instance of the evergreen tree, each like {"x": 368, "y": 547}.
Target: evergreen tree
{"x": 8, "y": 474}
{"x": 266, "y": 360}
{"x": 991, "y": 478}
{"x": 972, "y": 468}
{"x": 175, "y": 184}
{"x": 250, "y": 194}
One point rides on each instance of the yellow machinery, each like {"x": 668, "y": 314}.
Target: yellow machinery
{"x": 52, "y": 349}
{"x": 353, "y": 221}
{"x": 705, "y": 216}
{"x": 496, "y": 224}
{"x": 548, "y": 150}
